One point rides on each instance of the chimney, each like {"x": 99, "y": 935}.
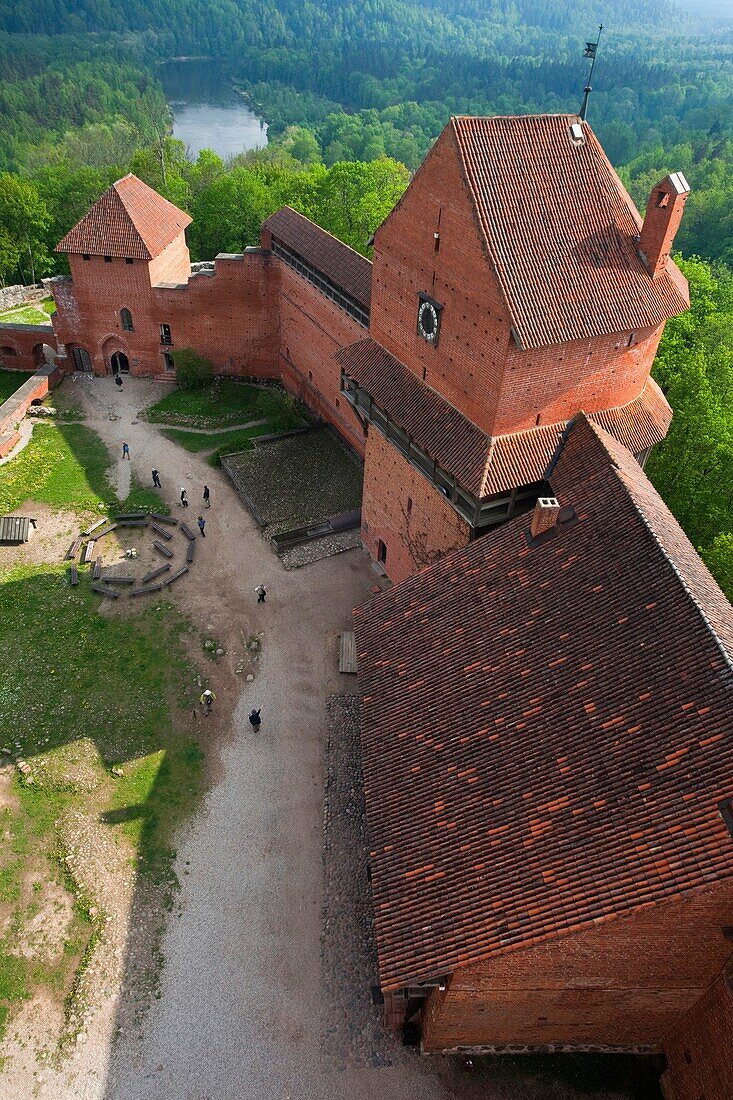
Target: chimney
{"x": 663, "y": 216}
{"x": 546, "y": 511}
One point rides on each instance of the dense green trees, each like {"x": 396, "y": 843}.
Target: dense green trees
{"x": 693, "y": 467}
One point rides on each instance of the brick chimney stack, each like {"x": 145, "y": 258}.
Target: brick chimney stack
{"x": 546, "y": 511}
{"x": 663, "y": 216}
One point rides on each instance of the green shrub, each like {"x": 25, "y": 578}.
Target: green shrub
{"x": 283, "y": 411}
{"x": 193, "y": 371}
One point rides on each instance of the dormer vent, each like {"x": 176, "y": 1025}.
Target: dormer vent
{"x": 576, "y": 134}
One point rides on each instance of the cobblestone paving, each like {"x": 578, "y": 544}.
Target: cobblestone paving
{"x": 321, "y": 548}
{"x": 354, "y": 1034}
{"x": 299, "y": 480}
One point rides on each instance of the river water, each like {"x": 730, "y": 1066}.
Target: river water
{"x": 207, "y": 112}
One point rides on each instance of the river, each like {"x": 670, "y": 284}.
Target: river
{"x": 207, "y": 112}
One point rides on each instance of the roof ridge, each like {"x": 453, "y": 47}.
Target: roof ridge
{"x": 619, "y": 472}
{"x": 287, "y": 206}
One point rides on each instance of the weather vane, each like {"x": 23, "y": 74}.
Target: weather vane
{"x": 590, "y": 51}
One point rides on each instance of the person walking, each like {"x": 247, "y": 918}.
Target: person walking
{"x": 184, "y": 498}
{"x": 125, "y": 451}
{"x": 202, "y": 523}
{"x": 156, "y": 480}
{"x": 254, "y": 719}
{"x": 261, "y": 593}
{"x": 207, "y": 496}
{"x": 207, "y": 701}
{"x": 118, "y": 381}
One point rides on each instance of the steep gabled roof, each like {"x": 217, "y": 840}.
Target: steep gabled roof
{"x": 559, "y": 229}
{"x": 547, "y": 726}
{"x": 482, "y": 465}
{"x": 345, "y": 268}
{"x": 130, "y": 219}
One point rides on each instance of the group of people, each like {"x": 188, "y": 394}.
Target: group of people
{"x": 207, "y": 696}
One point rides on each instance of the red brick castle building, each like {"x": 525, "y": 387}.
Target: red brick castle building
{"x": 547, "y": 708}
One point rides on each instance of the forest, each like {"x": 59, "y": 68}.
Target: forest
{"x": 354, "y": 96}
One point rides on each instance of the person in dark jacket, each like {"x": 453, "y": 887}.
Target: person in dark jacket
{"x": 255, "y": 720}
{"x": 156, "y": 480}
{"x": 202, "y": 523}
{"x": 184, "y": 498}
{"x": 207, "y": 496}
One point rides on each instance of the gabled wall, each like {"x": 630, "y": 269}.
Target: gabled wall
{"x": 622, "y": 985}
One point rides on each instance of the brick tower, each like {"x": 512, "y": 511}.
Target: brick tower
{"x": 514, "y": 285}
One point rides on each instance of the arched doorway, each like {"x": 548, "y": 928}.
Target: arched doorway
{"x": 120, "y": 363}
{"x": 43, "y": 355}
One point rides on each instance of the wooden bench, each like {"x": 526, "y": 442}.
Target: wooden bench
{"x": 127, "y": 516}
{"x": 155, "y": 573}
{"x": 162, "y": 549}
{"x": 94, "y": 526}
{"x": 88, "y": 552}
{"x": 168, "y": 535}
{"x": 112, "y": 579}
{"x": 73, "y": 549}
{"x": 73, "y": 576}
{"x": 97, "y": 569}
{"x": 108, "y": 592}
{"x": 164, "y": 519}
{"x": 144, "y": 591}
{"x": 132, "y": 523}
{"x": 187, "y": 531}
{"x": 347, "y": 652}
{"x": 107, "y": 531}
{"x": 191, "y": 550}
{"x": 176, "y": 575}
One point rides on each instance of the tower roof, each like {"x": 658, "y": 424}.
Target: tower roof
{"x": 560, "y": 230}
{"x": 546, "y": 726}
{"x": 130, "y": 219}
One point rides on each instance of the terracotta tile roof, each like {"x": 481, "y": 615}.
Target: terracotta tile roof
{"x": 559, "y": 227}
{"x": 444, "y": 433}
{"x": 482, "y": 465}
{"x": 522, "y": 457}
{"x": 130, "y": 219}
{"x": 343, "y": 266}
{"x": 546, "y": 728}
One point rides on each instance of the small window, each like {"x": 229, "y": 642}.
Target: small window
{"x": 310, "y": 375}
{"x": 165, "y": 334}
{"x": 108, "y": 259}
{"x": 381, "y": 552}
{"x": 129, "y": 260}
{"x": 409, "y": 506}
{"x": 126, "y": 319}
{"x": 338, "y": 403}
{"x": 170, "y": 363}
{"x": 436, "y": 239}
{"x": 631, "y": 340}
{"x": 662, "y": 199}
{"x": 86, "y": 256}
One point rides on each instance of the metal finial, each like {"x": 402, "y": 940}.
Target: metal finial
{"x": 590, "y": 51}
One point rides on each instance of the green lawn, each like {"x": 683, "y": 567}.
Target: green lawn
{"x": 67, "y": 466}
{"x": 25, "y": 315}
{"x": 236, "y": 440}
{"x": 224, "y": 402}
{"x": 10, "y": 380}
{"x": 71, "y": 685}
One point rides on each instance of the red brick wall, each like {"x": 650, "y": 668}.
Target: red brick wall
{"x": 415, "y": 535}
{"x": 621, "y": 985}
{"x": 590, "y": 375}
{"x": 466, "y": 365}
{"x": 477, "y": 365}
{"x": 230, "y": 317}
{"x": 312, "y": 329}
{"x": 24, "y": 345}
{"x": 700, "y": 1049}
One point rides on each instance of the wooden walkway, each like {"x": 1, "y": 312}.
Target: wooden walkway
{"x": 347, "y": 652}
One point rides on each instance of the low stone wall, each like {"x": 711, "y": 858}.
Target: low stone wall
{"x": 14, "y": 409}
{"x": 18, "y": 295}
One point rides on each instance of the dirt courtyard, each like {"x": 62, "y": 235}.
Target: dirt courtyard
{"x": 250, "y": 1004}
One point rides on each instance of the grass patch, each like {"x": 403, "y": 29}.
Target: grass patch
{"x": 101, "y": 700}
{"x": 10, "y": 381}
{"x": 64, "y": 398}
{"x": 223, "y": 402}
{"x": 237, "y": 440}
{"x": 48, "y": 305}
{"x": 67, "y": 466}
{"x": 25, "y": 315}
